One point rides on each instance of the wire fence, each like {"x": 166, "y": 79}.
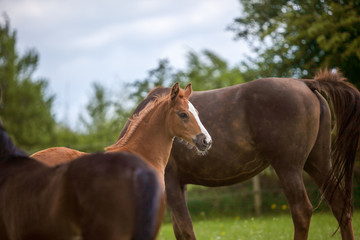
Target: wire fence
{"x": 238, "y": 200}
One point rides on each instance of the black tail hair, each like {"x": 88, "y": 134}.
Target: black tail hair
{"x": 345, "y": 99}
{"x": 148, "y": 197}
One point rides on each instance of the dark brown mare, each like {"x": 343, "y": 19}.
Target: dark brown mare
{"x": 281, "y": 122}
{"x": 99, "y": 196}
{"x": 151, "y": 132}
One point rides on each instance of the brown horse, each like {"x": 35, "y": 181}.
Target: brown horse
{"x": 151, "y": 132}
{"x": 98, "y": 196}
{"x": 280, "y": 122}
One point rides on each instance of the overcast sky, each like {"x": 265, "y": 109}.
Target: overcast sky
{"x": 116, "y": 41}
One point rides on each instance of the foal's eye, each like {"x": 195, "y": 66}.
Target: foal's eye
{"x": 183, "y": 115}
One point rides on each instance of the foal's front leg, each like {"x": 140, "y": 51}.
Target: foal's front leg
{"x": 176, "y": 200}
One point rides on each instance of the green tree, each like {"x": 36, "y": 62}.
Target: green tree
{"x": 160, "y": 76}
{"x": 205, "y": 71}
{"x": 26, "y": 107}
{"x": 208, "y": 71}
{"x": 97, "y": 109}
{"x": 296, "y": 38}
{"x": 104, "y": 121}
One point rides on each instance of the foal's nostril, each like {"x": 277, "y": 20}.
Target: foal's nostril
{"x": 201, "y": 142}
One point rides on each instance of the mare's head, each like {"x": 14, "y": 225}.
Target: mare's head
{"x": 185, "y": 121}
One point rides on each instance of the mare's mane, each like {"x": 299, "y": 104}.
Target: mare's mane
{"x": 7, "y": 147}
{"x": 135, "y": 121}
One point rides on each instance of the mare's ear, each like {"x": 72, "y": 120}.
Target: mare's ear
{"x": 188, "y": 90}
{"x": 175, "y": 89}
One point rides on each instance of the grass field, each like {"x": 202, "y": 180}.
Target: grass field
{"x": 277, "y": 227}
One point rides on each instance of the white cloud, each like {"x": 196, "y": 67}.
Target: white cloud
{"x": 160, "y": 27}
{"x": 80, "y": 41}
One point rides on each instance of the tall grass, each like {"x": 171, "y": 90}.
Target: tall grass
{"x": 275, "y": 227}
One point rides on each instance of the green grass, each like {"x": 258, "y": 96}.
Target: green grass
{"x": 277, "y": 227}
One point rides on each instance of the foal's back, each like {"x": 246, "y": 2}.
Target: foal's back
{"x": 57, "y": 155}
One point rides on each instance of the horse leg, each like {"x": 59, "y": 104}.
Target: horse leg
{"x": 299, "y": 203}
{"x": 176, "y": 200}
{"x": 3, "y": 233}
{"x": 318, "y": 169}
{"x": 318, "y": 166}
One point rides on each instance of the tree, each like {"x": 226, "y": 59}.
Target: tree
{"x": 205, "y": 71}
{"x": 104, "y": 121}
{"x": 296, "y": 38}
{"x": 160, "y": 76}
{"x": 26, "y": 107}
{"x": 208, "y": 71}
{"x": 97, "y": 109}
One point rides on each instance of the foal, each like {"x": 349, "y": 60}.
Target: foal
{"x": 151, "y": 132}
{"x": 99, "y": 196}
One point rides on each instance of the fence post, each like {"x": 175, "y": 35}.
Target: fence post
{"x": 257, "y": 194}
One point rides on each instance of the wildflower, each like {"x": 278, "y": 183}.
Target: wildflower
{"x": 284, "y": 207}
{"x": 273, "y": 206}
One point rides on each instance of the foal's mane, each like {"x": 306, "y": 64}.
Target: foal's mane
{"x": 135, "y": 121}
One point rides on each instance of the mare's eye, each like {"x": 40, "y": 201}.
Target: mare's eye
{"x": 183, "y": 115}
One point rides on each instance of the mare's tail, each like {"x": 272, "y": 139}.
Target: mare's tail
{"x": 147, "y": 202}
{"x": 345, "y": 100}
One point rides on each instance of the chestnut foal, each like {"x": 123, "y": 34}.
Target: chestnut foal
{"x": 151, "y": 132}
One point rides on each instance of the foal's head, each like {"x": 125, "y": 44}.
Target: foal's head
{"x": 185, "y": 121}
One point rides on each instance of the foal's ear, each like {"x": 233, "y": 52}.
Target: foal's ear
{"x": 188, "y": 91}
{"x": 175, "y": 89}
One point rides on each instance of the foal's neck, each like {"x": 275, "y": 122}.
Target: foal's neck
{"x": 151, "y": 139}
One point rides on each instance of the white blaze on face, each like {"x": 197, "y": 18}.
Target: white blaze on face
{"x": 202, "y": 128}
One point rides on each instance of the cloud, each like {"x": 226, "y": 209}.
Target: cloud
{"x": 163, "y": 26}
{"x": 80, "y": 41}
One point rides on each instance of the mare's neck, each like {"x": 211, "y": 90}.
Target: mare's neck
{"x": 151, "y": 139}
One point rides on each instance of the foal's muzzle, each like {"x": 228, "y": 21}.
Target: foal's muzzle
{"x": 202, "y": 143}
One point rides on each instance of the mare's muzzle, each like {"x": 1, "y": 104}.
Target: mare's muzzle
{"x": 202, "y": 143}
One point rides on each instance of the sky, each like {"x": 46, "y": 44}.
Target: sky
{"x": 116, "y": 41}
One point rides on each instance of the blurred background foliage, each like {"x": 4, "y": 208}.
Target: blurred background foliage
{"x": 296, "y": 38}
{"x": 289, "y": 38}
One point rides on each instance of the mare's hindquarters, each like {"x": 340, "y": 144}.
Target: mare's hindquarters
{"x": 284, "y": 116}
